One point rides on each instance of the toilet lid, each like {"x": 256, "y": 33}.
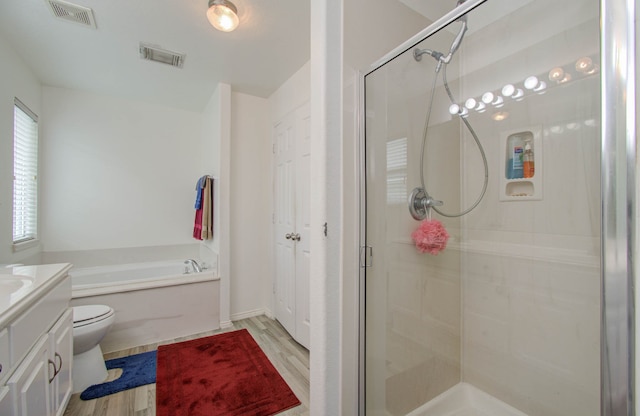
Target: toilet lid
{"x": 83, "y": 314}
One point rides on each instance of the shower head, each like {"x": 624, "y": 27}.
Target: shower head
{"x": 417, "y": 54}
{"x": 439, "y": 56}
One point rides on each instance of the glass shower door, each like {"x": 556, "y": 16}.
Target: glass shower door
{"x": 507, "y": 314}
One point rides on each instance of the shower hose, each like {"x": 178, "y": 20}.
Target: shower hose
{"x": 424, "y": 141}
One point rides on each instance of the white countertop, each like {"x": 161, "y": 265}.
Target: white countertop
{"x": 22, "y": 286}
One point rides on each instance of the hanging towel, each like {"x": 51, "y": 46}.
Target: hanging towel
{"x": 207, "y": 210}
{"x": 199, "y": 188}
{"x": 197, "y": 226}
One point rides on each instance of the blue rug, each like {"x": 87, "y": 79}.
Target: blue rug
{"x": 137, "y": 370}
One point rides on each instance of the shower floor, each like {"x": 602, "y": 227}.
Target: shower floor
{"x": 465, "y": 400}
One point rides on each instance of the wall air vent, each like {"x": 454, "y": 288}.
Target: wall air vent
{"x": 153, "y": 53}
{"x": 72, "y": 12}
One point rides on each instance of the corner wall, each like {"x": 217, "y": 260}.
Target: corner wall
{"x": 215, "y": 160}
{"x": 251, "y": 216}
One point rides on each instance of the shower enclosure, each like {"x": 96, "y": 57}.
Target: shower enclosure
{"x": 509, "y": 315}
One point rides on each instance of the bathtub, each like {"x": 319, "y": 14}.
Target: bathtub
{"x": 153, "y": 301}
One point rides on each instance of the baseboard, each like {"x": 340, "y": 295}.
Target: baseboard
{"x": 247, "y": 314}
{"x": 226, "y": 325}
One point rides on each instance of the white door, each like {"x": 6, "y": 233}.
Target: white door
{"x": 284, "y": 218}
{"x": 291, "y": 218}
{"x": 303, "y": 214}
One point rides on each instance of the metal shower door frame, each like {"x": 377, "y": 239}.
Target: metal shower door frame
{"x": 618, "y": 199}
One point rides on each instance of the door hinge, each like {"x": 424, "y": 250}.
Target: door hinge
{"x": 324, "y": 229}
{"x": 366, "y": 256}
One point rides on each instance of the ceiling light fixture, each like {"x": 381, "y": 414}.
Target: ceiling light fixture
{"x": 223, "y": 15}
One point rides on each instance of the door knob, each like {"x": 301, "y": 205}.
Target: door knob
{"x": 295, "y": 237}
{"x": 288, "y": 236}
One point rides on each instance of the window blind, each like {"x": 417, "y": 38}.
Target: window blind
{"x": 25, "y": 173}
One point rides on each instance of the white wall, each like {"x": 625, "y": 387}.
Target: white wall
{"x": 17, "y": 80}
{"x": 531, "y": 269}
{"x": 215, "y": 160}
{"x": 290, "y": 95}
{"x": 250, "y": 238}
{"x": 116, "y": 173}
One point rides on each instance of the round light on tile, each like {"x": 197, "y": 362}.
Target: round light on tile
{"x": 590, "y": 123}
{"x": 556, "y": 129}
{"x": 584, "y": 65}
{"x": 487, "y": 97}
{"x": 541, "y": 87}
{"x": 470, "y": 103}
{"x": 531, "y": 82}
{"x": 556, "y": 74}
{"x": 508, "y": 90}
{"x": 517, "y": 94}
{"x": 500, "y": 115}
{"x": 567, "y": 77}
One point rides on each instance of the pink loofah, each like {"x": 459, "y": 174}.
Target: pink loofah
{"x": 431, "y": 237}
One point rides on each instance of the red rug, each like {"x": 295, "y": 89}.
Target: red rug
{"x": 224, "y": 374}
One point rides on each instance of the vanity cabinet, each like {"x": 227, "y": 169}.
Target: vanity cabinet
{"x": 36, "y": 380}
{"x": 30, "y": 383}
{"x": 61, "y": 340}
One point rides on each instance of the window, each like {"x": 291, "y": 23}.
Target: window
{"x": 25, "y": 174}
{"x": 397, "y": 171}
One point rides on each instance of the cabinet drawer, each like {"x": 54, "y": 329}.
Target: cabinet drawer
{"x": 37, "y": 320}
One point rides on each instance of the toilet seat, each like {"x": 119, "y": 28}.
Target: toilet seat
{"x": 90, "y": 314}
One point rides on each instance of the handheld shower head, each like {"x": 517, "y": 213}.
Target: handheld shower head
{"x": 458, "y": 40}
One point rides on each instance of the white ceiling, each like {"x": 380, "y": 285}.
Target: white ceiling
{"x": 270, "y": 45}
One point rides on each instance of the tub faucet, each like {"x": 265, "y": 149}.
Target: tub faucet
{"x": 194, "y": 264}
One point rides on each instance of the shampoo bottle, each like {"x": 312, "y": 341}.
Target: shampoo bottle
{"x": 528, "y": 164}
{"x": 515, "y": 153}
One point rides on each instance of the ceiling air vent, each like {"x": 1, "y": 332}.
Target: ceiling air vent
{"x": 72, "y": 12}
{"x": 153, "y": 53}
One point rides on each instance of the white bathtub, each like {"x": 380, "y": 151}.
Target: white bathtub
{"x": 153, "y": 301}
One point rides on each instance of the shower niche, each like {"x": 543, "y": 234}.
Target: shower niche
{"x": 521, "y": 166}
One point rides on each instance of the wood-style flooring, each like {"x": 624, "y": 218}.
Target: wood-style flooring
{"x": 287, "y": 356}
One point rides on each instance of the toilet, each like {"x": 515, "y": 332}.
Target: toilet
{"x": 90, "y": 324}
